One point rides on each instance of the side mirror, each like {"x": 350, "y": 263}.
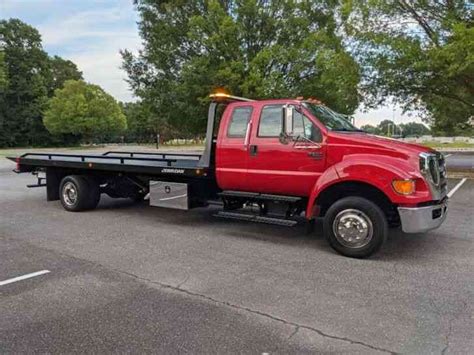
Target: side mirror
{"x": 287, "y": 127}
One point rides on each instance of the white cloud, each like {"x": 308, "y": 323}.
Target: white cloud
{"x": 9, "y": 6}
{"x": 94, "y": 24}
{"x": 101, "y": 66}
{"x": 93, "y": 39}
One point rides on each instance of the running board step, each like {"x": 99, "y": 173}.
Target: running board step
{"x": 256, "y": 218}
{"x": 258, "y": 196}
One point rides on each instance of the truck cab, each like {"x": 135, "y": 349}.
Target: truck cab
{"x": 252, "y": 154}
{"x": 359, "y": 183}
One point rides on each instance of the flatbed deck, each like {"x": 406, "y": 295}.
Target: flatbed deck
{"x": 117, "y": 161}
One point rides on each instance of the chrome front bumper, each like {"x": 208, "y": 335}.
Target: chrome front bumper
{"x": 423, "y": 219}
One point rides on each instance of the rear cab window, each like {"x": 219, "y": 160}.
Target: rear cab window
{"x": 239, "y": 122}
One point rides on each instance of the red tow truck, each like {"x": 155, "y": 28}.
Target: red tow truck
{"x": 270, "y": 161}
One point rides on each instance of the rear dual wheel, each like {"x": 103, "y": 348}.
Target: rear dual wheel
{"x": 79, "y": 193}
{"x": 355, "y": 227}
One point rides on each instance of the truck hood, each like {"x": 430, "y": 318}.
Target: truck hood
{"x": 378, "y": 160}
{"x": 379, "y": 144}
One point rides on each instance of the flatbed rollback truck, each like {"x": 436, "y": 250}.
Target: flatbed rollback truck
{"x": 269, "y": 161}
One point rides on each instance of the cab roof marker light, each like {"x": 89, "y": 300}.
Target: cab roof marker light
{"x": 314, "y": 101}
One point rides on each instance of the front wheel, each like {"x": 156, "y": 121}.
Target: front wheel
{"x": 355, "y": 227}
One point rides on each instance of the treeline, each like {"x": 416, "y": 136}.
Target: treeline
{"x": 420, "y": 54}
{"x": 348, "y": 54}
{"x": 390, "y": 129}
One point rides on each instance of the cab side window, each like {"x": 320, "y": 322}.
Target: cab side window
{"x": 270, "y": 121}
{"x": 303, "y": 127}
{"x": 238, "y": 122}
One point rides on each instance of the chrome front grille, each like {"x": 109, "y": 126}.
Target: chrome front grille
{"x": 443, "y": 174}
{"x": 433, "y": 168}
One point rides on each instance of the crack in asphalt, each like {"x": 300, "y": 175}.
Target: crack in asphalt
{"x": 448, "y": 336}
{"x": 277, "y": 351}
{"x": 450, "y": 330}
{"x": 183, "y": 282}
{"x": 225, "y": 303}
{"x": 297, "y": 328}
{"x": 450, "y": 324}
{"x": 260, "y": 313}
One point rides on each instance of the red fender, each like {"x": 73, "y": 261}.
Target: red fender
{"x": 328, "y": 178}
{"x": 372, "y": 170}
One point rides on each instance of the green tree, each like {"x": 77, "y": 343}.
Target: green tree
{"x": 143, "y": 125}
{"x": 370, "y": 129}
{"x": 414, "y": 129}
{"x": 84, "y": 110}
{"x": 3, "y": 72}
{"x": 387, "y": 128}
{"x": 61, "y": 70}
{"x": 27, "y": 77}
{"x": 252, "y": 48}
{"x": 421, "y": 52}
{"x": 23, "y": 99}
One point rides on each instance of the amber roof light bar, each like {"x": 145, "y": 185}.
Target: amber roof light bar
{"x": 223, "y": 96}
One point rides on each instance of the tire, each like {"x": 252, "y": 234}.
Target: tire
{"x": 355, "y": 227}
{"x": 78, "y": 193}
{"x": 94, "y": 192}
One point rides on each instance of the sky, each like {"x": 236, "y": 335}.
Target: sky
{"x": 92, "y": 32}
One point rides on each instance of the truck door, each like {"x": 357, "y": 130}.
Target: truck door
{"x": 278, "y": 168}
{"x": 232, "y": 145}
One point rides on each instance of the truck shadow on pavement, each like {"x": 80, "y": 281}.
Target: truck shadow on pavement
{"x": 399, "y": 246}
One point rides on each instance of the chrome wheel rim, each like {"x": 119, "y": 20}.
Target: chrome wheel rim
{"x": 69, "y": 193}
{"x": 353, "y": 228}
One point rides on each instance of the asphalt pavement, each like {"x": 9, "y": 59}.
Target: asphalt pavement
{"x": 133, "y": 278}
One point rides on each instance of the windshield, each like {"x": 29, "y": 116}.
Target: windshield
{"x": 332, "y": 120}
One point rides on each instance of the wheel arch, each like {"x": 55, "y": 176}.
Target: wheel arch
{"x": 329, "y": 193}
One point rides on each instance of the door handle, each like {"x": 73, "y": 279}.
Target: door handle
{"x": 253, "y": 150}
{"x": 316, "y": 155}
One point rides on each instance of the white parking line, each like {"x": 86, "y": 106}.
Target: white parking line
{"x": 23, "y": 277}
{"x": 447, "y": 155}
{"x": 456, "y": 188}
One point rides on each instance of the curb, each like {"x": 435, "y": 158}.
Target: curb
{"x": 457, "y": 174}
{"x": 455, "y": 150}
